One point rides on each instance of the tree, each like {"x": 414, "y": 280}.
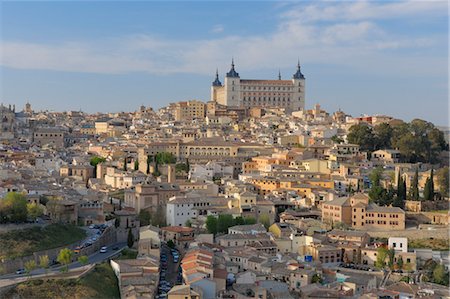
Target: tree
{"x": 44, "y": 262}
{"x": 125, "y": 164}
{"x": 400, "y": 263}
{"x": 188, "y": 223}
{"x": 165, "y": 158}
{"x": 428, "y": 191}
{"x": 442, "y": 177}
{"x": 34, "y": 211}
{"x": 362, "y": 135}
{"x": 84, "y": 259}
{"x": 211, "y": 224}
{"x": 391, "y": 254}
{"x": 171, "y": 244}
{"x": 13, "y": 208}
{"x": 382, "y": 135}
{"x": 414, "y": 191}
{"x": 136, "y": 165}
{"x": 382, "y": 254}
{"x": 130, "y": 239}
{"x": 158, "y": 218}
{"x": 249, "y": 220}
{"x": 399, "y": 200}
{"x": 144, "y": 217}
{"x": 117, "y": 222}
{"x": 30, "y": 266}
{"x": 440, "y": 276}
{"x": 264, "y": 219}
{"x": 224, "y": 222}
{"x": 96, "y": 160}
{"x": 316, "y": 278}
{"x": 337, "y": 139}
{"x": 65, "y": 257}
{"x": 239, "y": 220}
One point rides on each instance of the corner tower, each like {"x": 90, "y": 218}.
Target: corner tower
{"x": 232, "y": 87}
{"x": 298, "y": 97}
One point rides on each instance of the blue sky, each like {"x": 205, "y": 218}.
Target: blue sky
{"x": 363, "y": 57}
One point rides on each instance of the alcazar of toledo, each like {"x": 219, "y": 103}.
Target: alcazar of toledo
{"x": 237, "y": 92}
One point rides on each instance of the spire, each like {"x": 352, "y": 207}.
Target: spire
{"x": 298, "y": 74}
{"x": 279, "y": 75}
{"x": 232, "y": 73}
{"x": 217, "y": 82}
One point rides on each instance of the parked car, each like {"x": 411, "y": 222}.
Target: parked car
{"x": 103, "y": 249}
{"x": 20, "y": 271}
{"x": 91, "y": 226}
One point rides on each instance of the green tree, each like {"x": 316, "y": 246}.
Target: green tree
{"x": 188, "y": 223}
{"x": 171, "y": 244}
{"x": 400, "y": 263}
{"x": 264, "y": 219}
{"x": 136, "y": 165}
{"x": 382, "y": 254}
{"x": 440, "y": 276}
{"x": 239, "y": 220}
{"x": 144, "y": 217}
{"x": 391, "y": 254}
{"x": 414, "y": 190}
{"x": 382, "y": 135}
{"x": 97, "y": 160}
{"x": 211, "y": 224}
{"x": 125, "y": 163}
{"x": 336, "y": 139}
{"x": 83, "y": 260}
{"x": 34, "y": 211}
{"x": 158, "y": 218}
{"x": 362, "y": 135}
{"x": 442, "y": 177}
{"x": 130, "y": 239}
{"x": 428, "y": 191}
{"x": 44, "y": 262}
{"x": 249, "y": 220}
{"x": 316, "y": 278}
{"x": 30, "y": 266}
{"x": 165, "y": 158}
{"x": 14, "y": 207}
{"x": 224, "y": 222}
{"x": 65, "y": 257}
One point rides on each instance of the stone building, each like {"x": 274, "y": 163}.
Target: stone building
{"x": 288, "y": 94}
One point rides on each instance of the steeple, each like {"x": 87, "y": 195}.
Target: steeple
{"x": 217, "y": 81}
{"x": 298, "y": 74}
{"x": 232, "y": 73}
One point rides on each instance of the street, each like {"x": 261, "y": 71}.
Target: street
{"x": 93, "y": 258}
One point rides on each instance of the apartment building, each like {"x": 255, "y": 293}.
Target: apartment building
{"x": 359, "y": 214}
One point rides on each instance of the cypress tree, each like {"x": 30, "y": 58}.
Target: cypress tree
{"x": 125, "y": 164}
{"x": 427, "y": 190}
{"x": 130, "y": 239}
{"x": 432, "y": 184}
{"x": 414, "y": 192}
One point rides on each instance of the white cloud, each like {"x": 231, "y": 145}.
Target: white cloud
{"x": 339, "y": 33}
{"x": 218, "y": 28}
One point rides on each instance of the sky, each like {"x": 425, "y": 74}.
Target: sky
{"x": 363, "y": 57}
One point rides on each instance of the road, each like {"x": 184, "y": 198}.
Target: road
{"x": 93, "y": 258}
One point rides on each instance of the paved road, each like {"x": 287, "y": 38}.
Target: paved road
{"x": 93, "y": 258}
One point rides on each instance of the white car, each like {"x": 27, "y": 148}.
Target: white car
{"x": 103, "y": 249}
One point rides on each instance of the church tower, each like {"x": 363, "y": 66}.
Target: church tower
{"x": 232, "y": 87}
{"x": 217, "y": 90}
{"x": 298, "y": 98}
